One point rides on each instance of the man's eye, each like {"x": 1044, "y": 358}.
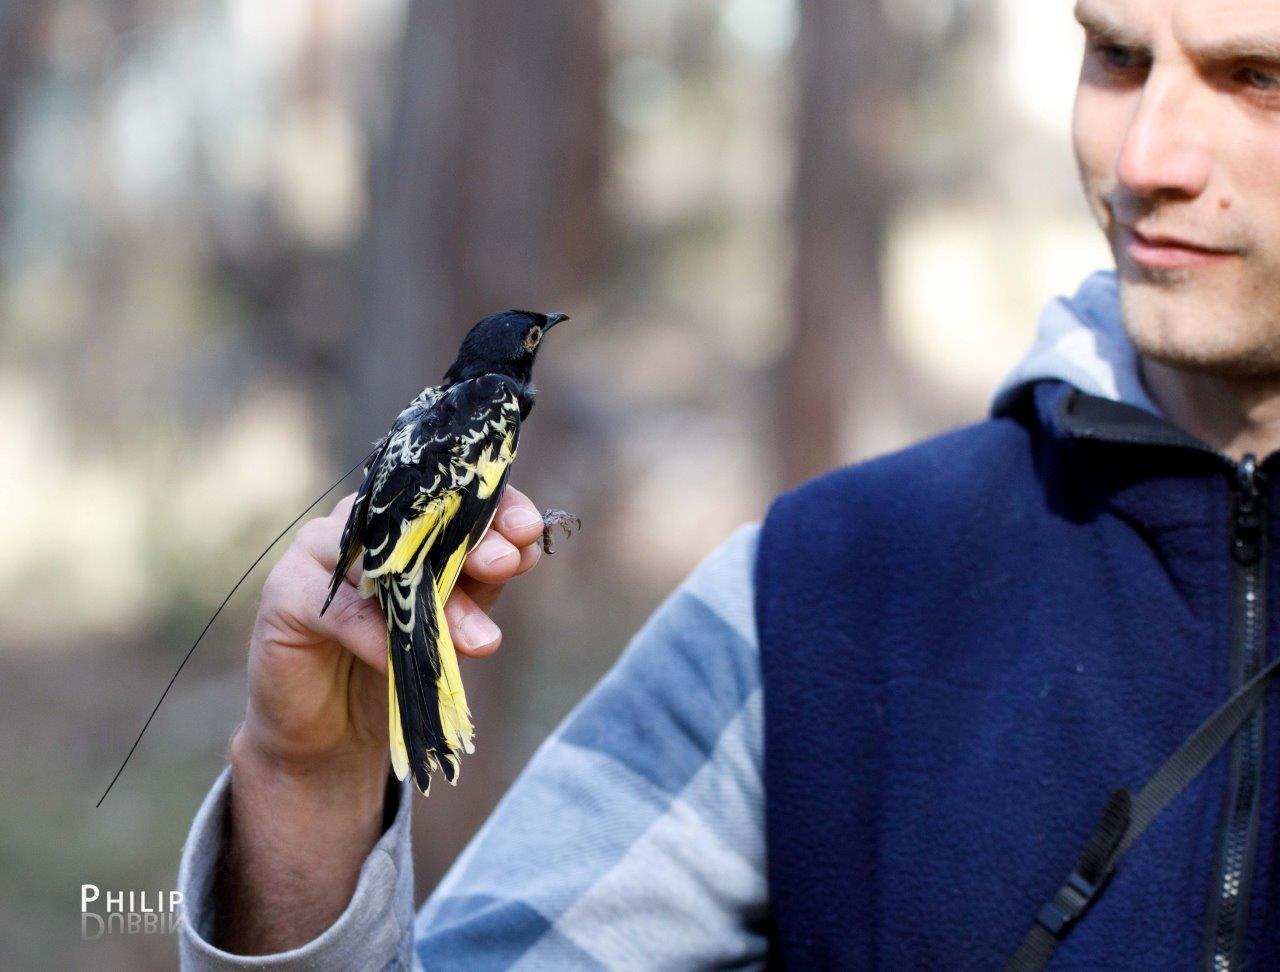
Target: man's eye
{"x": 1119, "y": 58}
{"x": 1261, "y": 80}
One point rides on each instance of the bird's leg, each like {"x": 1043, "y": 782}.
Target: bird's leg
{"x": 562, "y": 519}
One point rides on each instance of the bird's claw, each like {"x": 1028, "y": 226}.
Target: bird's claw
{"x": 562, "y": 519}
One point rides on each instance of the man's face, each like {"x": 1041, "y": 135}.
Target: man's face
{"x": 1177, "y": 136}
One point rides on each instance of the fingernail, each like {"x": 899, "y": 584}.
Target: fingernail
{"x": 520, "y": 519}
{"x": 479, "y": 632}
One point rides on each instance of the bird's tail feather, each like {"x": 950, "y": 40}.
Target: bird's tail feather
{"x": 428, "y": 718}
{"x": 455, "y": 717}
{"x": 399, "y": 753}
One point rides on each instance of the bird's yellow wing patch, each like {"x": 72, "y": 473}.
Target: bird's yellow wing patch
{"x": 492, "y": 464}
{"x": 419, "y": 533}
{"x": 489, "y": 470}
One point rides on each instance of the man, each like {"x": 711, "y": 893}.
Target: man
{"x": 877, "y": 730}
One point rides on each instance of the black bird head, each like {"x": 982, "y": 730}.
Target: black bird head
{"x": 505, "y": 343}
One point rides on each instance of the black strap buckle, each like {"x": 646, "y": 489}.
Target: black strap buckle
{"x": 1091, "y": 873}
{"x": 1124, "y": 819}
{"x": 1071, "y": 901}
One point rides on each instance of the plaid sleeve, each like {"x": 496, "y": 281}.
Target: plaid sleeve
{"x": 635, "y": 837}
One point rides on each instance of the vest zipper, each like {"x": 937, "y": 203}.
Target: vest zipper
{"x": 1228, "y": 911}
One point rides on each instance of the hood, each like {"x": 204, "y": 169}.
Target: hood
{"x": 1081, "y": 340}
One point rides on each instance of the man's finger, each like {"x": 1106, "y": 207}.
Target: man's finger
{"x": 484, "y": 595}
{"x": 320, "y": 538}
{"x": 343, "y": 508}
{"x": 474, "y": 633}
{"x": 494, "y": 561}
{"x": 517, "y": 519}
{"x": 529, "y": 557}
{"x": 484, "y": 588}
{"x": 357, "y": 623}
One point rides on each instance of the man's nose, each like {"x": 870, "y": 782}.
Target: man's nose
{"x": 1162, "y": 152}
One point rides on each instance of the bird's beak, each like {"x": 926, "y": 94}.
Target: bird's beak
{"x": 554, "y": 319}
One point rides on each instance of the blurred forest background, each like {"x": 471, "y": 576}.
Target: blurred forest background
{"x": 237, "y": 236}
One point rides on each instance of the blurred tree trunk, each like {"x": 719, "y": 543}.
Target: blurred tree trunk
{"x": 851, "y": 97}
{"x": 485, "y": 195}
{"x": 20, "y": 23}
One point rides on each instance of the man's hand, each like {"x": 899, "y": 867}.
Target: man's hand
{"x": 309, "y": 764}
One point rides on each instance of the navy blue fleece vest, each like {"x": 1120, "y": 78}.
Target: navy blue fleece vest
{"x": 965, "y": 646}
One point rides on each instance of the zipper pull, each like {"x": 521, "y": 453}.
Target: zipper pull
{"x": 1246, "y": 537}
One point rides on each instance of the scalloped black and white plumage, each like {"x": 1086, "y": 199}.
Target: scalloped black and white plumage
{"x": 428, "y": 496}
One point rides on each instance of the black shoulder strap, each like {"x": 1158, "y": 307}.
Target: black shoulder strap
{"x": 1124, "y": 819}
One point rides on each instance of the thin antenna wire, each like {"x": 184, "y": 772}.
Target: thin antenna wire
{"x": 191, "y": 650}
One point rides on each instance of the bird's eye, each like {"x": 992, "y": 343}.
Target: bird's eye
{"x": 532, "y": 338}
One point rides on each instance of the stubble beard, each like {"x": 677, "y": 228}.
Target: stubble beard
{"x": 1221, "y": 321}
{"x": 1171, "y": 318}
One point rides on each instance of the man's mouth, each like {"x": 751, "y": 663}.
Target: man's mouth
{"x": 1166, "y": 252}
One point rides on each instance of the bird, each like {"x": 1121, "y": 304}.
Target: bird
{"x": 429, "y": 493}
